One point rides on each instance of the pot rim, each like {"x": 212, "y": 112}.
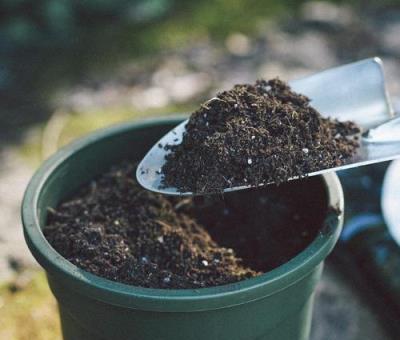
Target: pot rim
{"x": 171, "y": 300}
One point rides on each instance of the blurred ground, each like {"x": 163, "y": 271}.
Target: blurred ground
{"x": 174, "y": 75}
{"x": 340, "y": 311}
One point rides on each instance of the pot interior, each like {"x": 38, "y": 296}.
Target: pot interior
{"x": 265, "y": 227}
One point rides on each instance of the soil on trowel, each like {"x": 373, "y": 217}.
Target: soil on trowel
{"x": 255, "y": 135}
{"x": 115, "y": 229}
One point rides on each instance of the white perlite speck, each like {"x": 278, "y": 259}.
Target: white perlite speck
{"x": 305, "y": 150}
{"x": 144, "y": 259}
{"x": 249, "y": 161}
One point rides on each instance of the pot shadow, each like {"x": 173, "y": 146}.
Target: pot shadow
{"x": 265, "y": 227}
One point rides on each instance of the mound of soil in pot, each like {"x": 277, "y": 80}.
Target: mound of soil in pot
{"x": 115, "y": 229}
{"x": 254, "y": 135}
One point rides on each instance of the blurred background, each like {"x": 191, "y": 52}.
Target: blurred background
{"x": 68, "y": 67}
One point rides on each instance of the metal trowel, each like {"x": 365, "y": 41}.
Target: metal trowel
{"x": 355, "y": 92}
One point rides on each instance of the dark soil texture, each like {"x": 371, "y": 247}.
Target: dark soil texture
{"x": 115, "y": 229}
{"x": 255, "y": 135}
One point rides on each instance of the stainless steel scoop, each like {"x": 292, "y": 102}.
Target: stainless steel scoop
{"x": 354, "y": 92}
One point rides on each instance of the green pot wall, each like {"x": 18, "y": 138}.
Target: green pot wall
{"x": 276, "y": 305}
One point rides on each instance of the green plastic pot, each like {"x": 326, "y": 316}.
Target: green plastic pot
{"x": 276, "y": 305}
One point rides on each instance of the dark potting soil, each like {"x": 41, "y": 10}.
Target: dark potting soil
{"x": 115, "y": 229}
{"x": 253, "y": 135}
